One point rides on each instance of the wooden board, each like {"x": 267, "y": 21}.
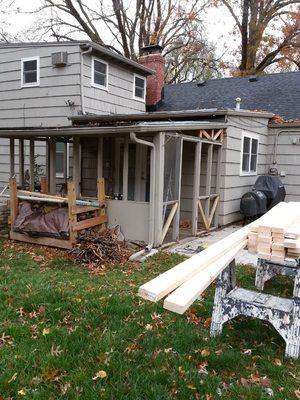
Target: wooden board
{"x": 88, "y": 223}
{"x": 181, "y": 299}
{"x": 44, "y": 241}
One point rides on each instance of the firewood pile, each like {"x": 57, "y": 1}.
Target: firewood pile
{"x": 97, "y": 248}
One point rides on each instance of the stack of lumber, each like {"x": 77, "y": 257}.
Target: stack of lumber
{"x": 188, "y": 280}
{"x": 276, "y": 235}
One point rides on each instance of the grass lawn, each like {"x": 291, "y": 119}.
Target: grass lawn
{"x": 68, "y": 334}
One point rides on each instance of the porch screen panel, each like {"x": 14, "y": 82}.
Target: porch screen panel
{"x": 172, "y": 168}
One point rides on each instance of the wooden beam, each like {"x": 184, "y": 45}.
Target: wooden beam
{"x": 21, "y": 163}
{"x": 88, "y": 223}
{"x": 125, "y": 168}
{"x": 117, "y": 166}
{"x": 44, "y": 184}
{"x": 180, "y": 300}
{"x": 196, "y": 187}
{"x": 44, "y": 241}
{"x": 12, "y": 157}
{"x": 13, "y": 197}
{"x": 218, "y": 184}
{"x": 52, "y": 162}
{"x": 169, "y": 220}
{"x": 72, "y": 217}
{"x": 31, "y": 165}
{"x": 66, "y": 163}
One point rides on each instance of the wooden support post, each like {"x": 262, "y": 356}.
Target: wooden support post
{"x": 44, "y": 185}
{"x": 196, "y": 187}
{"x": 71, "y": 205}
{"x": 208, "y": 179}
{"x": 125, "y": 168}
{"x": 52, "y": 162}
{"x": 178, "y": 171}
{"x": 100, "y": 158}
{"x": 21, "y": 163}
{"x": 66, "y": 163}
{"x": 13, "y": 194}
{"x": 117, "y": 166}
{"x": 159, "y": 141}
{"x": 76, "y": 164}
{"x": 218, "y": 184}
{"x": 31, "y": 165}
{"x": 12, "y": 157}
{"x": 169, "y": 220}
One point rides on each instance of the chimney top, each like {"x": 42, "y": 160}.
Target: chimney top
{"x": 152, "y": 49}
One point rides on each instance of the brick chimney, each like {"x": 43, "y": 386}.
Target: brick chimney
{"x": 151, "y": 57}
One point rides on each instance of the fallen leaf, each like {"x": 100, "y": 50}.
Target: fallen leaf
{"x": 55, "y": 350}
{"x": 64, "y": 388}
{"x": 5, "y": 339}
{"x": 192, "y": 387}
{"x": 100, "y": 375}
{"x": 297, "y": 393}
{"x": 22, "y": 392}
{"x": 277, "y": 361}
{"x": 247, "y": 352}
{"x": 205, "y": 353}
{"x": 13, "y": 378}
{"x": 244, "y": 382}
{"x": 54, "y": 375}
{"x": 46, "y": 331}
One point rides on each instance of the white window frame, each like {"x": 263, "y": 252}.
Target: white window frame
{"x": 96, "y": 85}
{"x": 62, "y": 174}
{"x": 250, "y": 136}
{"x": 145, "y": 88}
{"x": 32, "y": 84}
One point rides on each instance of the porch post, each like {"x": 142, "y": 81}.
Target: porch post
{"x": 125, "y": 169}
{"x": 31, "y": 165}
{"x": 218, "y": 184}
{"x": 100, "y": 158}
{"x": 52, "y": 162}
{"x": 208, "y": 179}
{"x": 76, "y": 164}
{"x": 196, "y": 187}
{"x": 178, "y": 171}
{"x": 21, "y": 162}
{"x": 66, "y": 163}
{"x": 117, "y": 166}
{"x": 159, "y": 140}
{"x": 12, "y": 157}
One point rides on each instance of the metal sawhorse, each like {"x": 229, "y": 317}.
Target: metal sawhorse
{"x": 284, "y": 314}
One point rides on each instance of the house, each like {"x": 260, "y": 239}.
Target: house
{"x": 176, "y": 159}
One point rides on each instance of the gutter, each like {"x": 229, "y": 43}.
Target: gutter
{"x": 88, "y": 51}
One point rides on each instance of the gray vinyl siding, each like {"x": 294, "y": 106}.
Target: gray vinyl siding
{"x": 43, "y": 105}
{"x": 287, "y": 160}
{"x": 118, "y": 98}
{"x": 232, "y": 185}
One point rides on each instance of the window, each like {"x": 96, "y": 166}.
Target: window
{"x": 249, "y": 154}
{"x": 139, "y": 90}
{"x": 30, "y": 71}
{"x": 99, "y": 74}
{"x": 62, "y": 159}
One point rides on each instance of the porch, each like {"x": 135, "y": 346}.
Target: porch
{"x": 162, "y": 179}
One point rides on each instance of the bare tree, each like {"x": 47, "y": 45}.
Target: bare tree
{"x": 127, "y": 26}
{"x": 269, "y": 32}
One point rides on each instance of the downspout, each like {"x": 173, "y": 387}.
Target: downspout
{"x": 152, "y": 186}
{"x": 88, "y": 51}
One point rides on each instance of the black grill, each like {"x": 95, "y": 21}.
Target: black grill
{"x": 266, "y": 193}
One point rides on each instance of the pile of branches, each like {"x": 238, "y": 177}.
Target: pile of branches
{"x": 100, "y": 248}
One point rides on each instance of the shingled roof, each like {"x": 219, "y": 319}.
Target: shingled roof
{"x": 277, "y": 93}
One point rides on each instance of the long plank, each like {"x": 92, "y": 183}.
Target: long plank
{"x": 165, "y": 283}
{"x": 293, "y": 231}
{"x": 45, "y": 241}
{"x": 181, "y": 299}
{"x": 88, "y": 223}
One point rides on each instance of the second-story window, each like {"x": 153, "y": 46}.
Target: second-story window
{"x": 139, "y": 89}
{"x": 30, "y": 71}
{"x": 99, "y": 74}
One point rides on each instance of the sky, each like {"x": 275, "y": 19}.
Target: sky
{"x": 218, "y": 24}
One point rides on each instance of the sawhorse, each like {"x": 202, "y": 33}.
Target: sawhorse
{"x": 284, "y": 314}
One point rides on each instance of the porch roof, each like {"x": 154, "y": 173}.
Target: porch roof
{"x": 94, "y": 131}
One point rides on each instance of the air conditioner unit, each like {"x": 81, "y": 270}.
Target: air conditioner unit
{"x": 60, "y": 59}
